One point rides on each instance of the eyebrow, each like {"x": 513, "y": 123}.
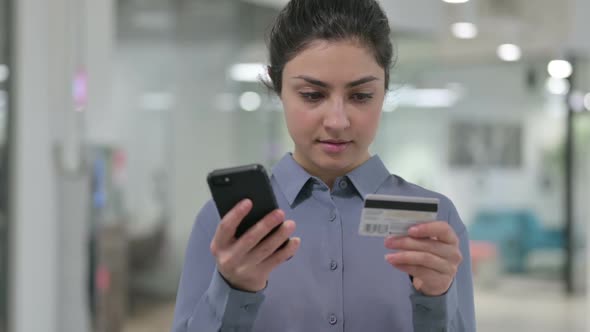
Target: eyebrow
{"x": 352, "y": 84}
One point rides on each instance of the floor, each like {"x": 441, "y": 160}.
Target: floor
{"x": 520, "y": 304}
{"x": 152, "y": 318}
{"x": 515, "y": 304}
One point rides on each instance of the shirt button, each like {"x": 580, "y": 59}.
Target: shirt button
{"x": 332, "y": 215}
{"x": 333, "y": 265}
{"x": 333, "y": 320}
{"x": 343, "y": 184}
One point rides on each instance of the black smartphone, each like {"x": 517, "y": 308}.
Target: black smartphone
{"x": 229, "y": 186}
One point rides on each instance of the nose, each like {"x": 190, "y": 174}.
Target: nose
{"x": 336, "y": 117}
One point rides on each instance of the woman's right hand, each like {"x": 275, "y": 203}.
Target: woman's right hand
{"x": 246, "y": 262}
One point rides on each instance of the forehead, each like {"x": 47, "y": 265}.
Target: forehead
{"x": 336, "y": 60}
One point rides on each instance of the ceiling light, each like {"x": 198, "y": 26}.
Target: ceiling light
{"x": 560, "y": 69}
{"x": 250, "y": 101}
{"x": 464, "y": 30}
{"x": 509, "y": 52}
{"x": 248, "y": 72}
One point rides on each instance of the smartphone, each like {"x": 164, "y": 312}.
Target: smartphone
{"x": 229, "y": 186}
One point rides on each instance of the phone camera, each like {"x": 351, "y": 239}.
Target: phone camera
{"x": 222, "y": 181}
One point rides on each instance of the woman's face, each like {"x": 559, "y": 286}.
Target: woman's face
{"x": 332, "y": 94}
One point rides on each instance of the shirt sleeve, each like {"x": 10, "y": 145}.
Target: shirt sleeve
{"x": 453, "y": 311}
{"x": 205, "y": 302}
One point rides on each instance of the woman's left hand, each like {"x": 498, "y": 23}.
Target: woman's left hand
{"x": 430, "y": 254}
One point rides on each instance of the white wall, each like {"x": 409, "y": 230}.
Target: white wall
{"x": 50, "y": 193}
{"x": 35, "y": 225}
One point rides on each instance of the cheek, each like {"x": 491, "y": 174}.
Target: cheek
{"x": 300, "y": 124}
{"x": 298, "y": 120}
{"x": 303, "y": 121}
{"x": 367, "y": 123}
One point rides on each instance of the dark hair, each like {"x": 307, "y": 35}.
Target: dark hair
{"x": 304, "y": 21}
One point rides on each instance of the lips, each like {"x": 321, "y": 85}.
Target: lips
{"x": 333, "y": 146}
{"x": 334, "y": 141}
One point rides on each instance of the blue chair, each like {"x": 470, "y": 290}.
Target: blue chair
{"x": 516, "y": 233}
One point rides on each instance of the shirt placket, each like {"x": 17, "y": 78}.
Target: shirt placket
{"x": 332, "y": 260}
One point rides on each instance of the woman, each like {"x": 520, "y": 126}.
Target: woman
{"x": 329, "y": 63}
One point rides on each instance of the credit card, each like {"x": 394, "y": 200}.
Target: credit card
{"x": 385, "y": 215}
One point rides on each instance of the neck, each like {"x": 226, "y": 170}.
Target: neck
{"x": 328, "y": 176}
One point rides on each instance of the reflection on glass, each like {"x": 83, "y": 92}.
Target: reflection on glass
{"x": 4, "y": 72}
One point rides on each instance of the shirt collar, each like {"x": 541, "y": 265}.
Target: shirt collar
{"x": 368, "y": 177}
{"x": 291, "y": 177}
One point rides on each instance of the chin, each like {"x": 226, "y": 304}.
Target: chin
{"x": 337, "y": 163}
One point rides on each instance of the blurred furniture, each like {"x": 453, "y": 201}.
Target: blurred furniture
{"x": 111, "y": 277}
{"x": 516, "y": 234}
{"x": 145, "y": 248}
{"x": 146, "y": 244}
{"x": 484, "y": 263}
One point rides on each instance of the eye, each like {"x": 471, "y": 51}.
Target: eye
{"x": 311, "y": 97}
{"x": 361, "y": 97}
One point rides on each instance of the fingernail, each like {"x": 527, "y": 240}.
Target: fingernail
{"x": 244, "y": 204}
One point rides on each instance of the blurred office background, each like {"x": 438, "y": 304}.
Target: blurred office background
{"x": 112, "y": 112}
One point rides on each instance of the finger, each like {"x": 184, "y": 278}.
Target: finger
{"x": 226, "y": 230}
{"x": 423, "y": 259}
{"x": 426, "y": 280}
{"x": 282, "y": 255}
{"x": 257, "y": 232}
{"x": 440, "y": 230}
{"x": 417, "y": 271}
{"x": 434, "y": 247}
{"x": 269, "y": 245}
